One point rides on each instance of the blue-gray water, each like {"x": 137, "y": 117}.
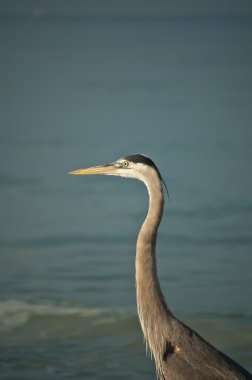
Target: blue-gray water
{"x": 84, "y": 83}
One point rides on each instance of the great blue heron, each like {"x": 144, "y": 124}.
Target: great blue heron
{"x": 179, "y": 352}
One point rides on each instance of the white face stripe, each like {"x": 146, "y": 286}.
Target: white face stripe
{"x": 138, "y": 170}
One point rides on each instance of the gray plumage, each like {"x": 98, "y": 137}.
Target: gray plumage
{"x": 179, "y": 352}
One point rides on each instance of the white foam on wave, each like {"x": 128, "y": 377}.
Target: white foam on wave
{"x": 15, "y": 313}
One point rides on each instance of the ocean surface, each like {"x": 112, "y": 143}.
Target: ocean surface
{"x": 84, "y": 83}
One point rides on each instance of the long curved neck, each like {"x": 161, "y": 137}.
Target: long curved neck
{"x": 152, "y": 310}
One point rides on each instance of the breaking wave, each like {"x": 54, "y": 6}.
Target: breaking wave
{"x": 16, "y": 313}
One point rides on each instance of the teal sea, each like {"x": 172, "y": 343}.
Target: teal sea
{"x": 84, "y": 83}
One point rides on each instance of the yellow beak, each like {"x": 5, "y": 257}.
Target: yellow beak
{"x": 101, "y": 169}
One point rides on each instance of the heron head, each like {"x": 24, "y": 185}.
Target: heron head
{"x": 136, "y": 166}
{"x": 132, "y": 166}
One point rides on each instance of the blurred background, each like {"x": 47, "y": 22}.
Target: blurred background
{"x": 87, "y": 82}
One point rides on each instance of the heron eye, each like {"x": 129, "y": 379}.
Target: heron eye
{"x": 125, "y": 164}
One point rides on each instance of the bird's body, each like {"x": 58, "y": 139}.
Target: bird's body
{"x": 179, "y": 352}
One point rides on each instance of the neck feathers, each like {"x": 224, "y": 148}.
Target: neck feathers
{"x": 152, "y": 310}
